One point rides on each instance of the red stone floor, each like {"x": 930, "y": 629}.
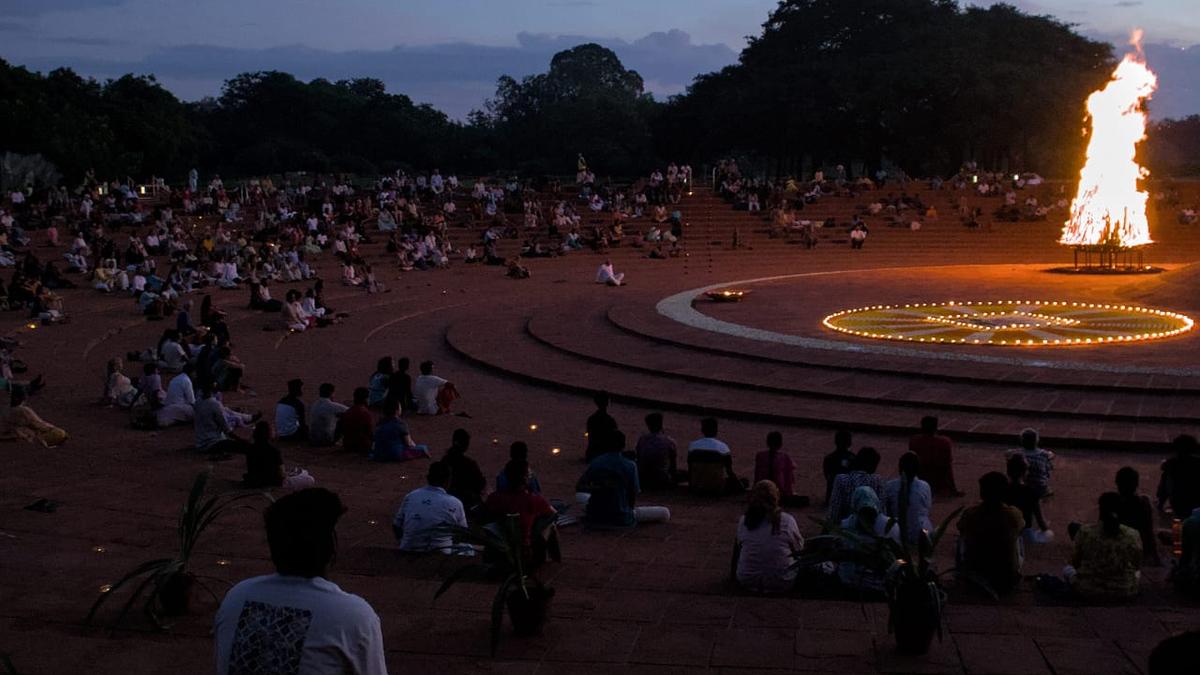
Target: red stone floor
{"x": 654, "y": 600}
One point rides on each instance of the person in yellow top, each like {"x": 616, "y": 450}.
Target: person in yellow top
{"x": 24, "y": 424}
{"x": 1104, "y": 566}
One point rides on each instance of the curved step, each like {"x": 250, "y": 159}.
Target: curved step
{"x": 606, "y": 344}
{"x": 503, "y": 346}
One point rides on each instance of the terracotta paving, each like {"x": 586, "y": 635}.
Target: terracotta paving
{"x": 654, "y": 600}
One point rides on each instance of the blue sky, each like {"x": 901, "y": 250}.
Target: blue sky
{"x": 450, "y": 52}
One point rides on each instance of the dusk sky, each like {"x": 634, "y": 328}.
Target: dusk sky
{"x": 450, "y": 52}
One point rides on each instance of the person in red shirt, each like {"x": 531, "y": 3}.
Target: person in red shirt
{"x": 936, "y": 453}
{"x": 531, "y": 510}
{"x": 358, "y": 424}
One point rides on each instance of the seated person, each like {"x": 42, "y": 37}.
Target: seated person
{"x": 775, "y": 465}
{"x": 837, "y": 462}
{"x": 264, "y": 464}
{"x": 865, "y": 522}
{"x": 297, "y": 614}
{"x": 426, "y": 509}
{"x": 767, "y": 538}
{"x": 656, "y": 455}
{"x": 289, "y": 413}
{"x": 179, "y": 403}
{"x": 710, "y": 463}
{"x": 989, "y": 537}
{"x": 325, "y": 426}
{"x": 392, "y": 441}
{"x": 607, "y": 276}
{"x": 518, "y": 451}
{"x": 1179, "y": 484}
{"x": 535, "y": 515}
{"x": 1135, "y": 511}
{"x": 23, "y": 423}
{"x": 214, "y": 432}
{"x": 609, "y": 489}
{"x": 358, "y": 424}
{"x": 936, "y": 453}
{"x": 433, "y": 394}
{"x": 1186, "y": 575}
{"x": 862, "y": 473}
{"x": 118, "y": 388}
{"x": 1104, "y": 565}
{"x": 466, "y": 479}
{"x": 599, "y": 424}
{"x": 909, "y": 500}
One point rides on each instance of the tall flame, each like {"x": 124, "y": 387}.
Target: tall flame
{"x": 1108, "y": 207}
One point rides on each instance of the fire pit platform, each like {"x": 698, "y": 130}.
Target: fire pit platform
{"x": 1108, "y": 259}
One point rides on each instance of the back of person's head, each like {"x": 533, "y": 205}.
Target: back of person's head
{"x": 115, "y": 364}
{"x": 187, "y": 368}
{"x": 262, "y": 433}
{"x": 300, "y": 531}
{"x": 992, "y": 486}
{"x": 762, "y": 505}
{"x": 518, "y": 450}
{"x": 361, "y": 395}
{"x": 438, "y": 474}
{"x": 516, "y": 473}
{"x": 1110, "y": 513}
{"x": 774, "y": 440}
{"x": 910, "y": 465}
{"x": 708, "y": 427}
{"x": 867, "y": 460}
{"x": 391, "y": 407}
{"x": 1127, "y": 481}
{"x": 384, "y": 365}
{"x": 601, "y": 399}
{"x": 1029, "y": 439}
{"x": 426, "y": 367}
{"x": 1175, "y": 655}
{"x": 460, "y": 440}
{"x": 295, "y": 387}
{"x": 402, "y": 364}
{"x": 615, "y": 440}
{"x": 325, "y": 390}
{"x": 654, "y": 422}
{"x": 1016, "y": 467}
{"x": 843, "y": 439}
{"x": 1184, "y": 444}
{"x": 929, "y": 424}
{"x": 149, "y": 368}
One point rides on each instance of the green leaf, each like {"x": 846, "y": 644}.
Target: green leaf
{"x": 144, "y": 568}
{"x": 458, "y": 575}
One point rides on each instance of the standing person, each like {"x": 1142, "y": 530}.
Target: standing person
{"x": 392, "y": 441}
{"x": 1025, "y": 499}
{"x": 425, "y": 510}
{"x": 837, "y": 462}
{"x": 290, "y": 422}
{"x": 358, "y": 424}
{"x": 296, "y": 619}
{"x": 936, "y": 453}
{"x": 599, "y": 425}
{"x": 466, "y": 480}
{"x": 988, "y": 536}
{"x": 325, "y": 427}
{"x": 1040, "y": 462}
{"x": 1179, "y": 485}
{"x": 862, "y": 473}
{"x": 910, "y": 498}
{"x": 767, "y": 539}
{"x": 657, "y": 455}
{"x": 432, "y": 393}
{"x": 775, "y": 465}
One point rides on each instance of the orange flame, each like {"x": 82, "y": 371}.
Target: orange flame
{"x": 1108, "y": 207}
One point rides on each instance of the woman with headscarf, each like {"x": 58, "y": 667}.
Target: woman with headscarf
{"x": 861, "y": 531}
{"x": 767, "y": 538}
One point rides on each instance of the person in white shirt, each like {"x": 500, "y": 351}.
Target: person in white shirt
{"x": 433, "y": 393}
{"x": 427, "y": 509}
{"x": 323, "y": 427}
{"x": 297, "y": 621}
{"x": 919, "y": 499}
{"x": 606, "y": 275}
{"x": 171, "y": 354}
{"x": 180, "y": 401}
{"x": 710, "y": 462}
{"x": 767, "y": 540}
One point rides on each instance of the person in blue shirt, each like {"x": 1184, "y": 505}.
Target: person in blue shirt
{"x": 611, "y": 486}
{"x": 519, "y": 451}
{"x": 392, "y": 442}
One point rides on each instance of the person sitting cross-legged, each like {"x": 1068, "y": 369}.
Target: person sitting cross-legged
{"x": 290, "y": 423}
{"x": 1104, "y": 565}
{"x": 989, "y": 533}
{"x": 533, "y": 511}
{"x": 609, "y": 489}
{"x": 710, "y": 463}
{"x": 324, "y": 428}
{"x": 297, "y": 620}
{"x": 358, "y": 424}
{"x": 865, "y": 522}
{"x": 767, "y": 539}
{"x": 862, "y": 472}
{"x": 656, "y": 455}
{"x": 392, "y": 441}
{"x": 936, "y": 453}
{"x": 427, "y": 509}
{"x": 775, "y": 465}
{"x": 519, "y": 450}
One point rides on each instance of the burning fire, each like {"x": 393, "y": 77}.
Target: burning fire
{"x": 1108, "y": 207}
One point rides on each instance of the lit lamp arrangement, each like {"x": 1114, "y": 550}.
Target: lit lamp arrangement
{"x": 1010, "y": 322}
{"x": 726, "y": 295}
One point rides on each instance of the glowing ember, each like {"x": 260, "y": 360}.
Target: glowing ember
{"x": 1108, "y": 207}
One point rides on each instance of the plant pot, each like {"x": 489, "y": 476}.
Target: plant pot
{"x": 528, "y": 614}
{"x": 916, "y": 615}
{"x": 175, "y": 596}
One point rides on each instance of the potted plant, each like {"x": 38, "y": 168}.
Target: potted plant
{"x": 167, "y": 583}
{"x": 526, "y": 598}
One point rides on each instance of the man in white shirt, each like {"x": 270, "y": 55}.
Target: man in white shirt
{"x": 297, "y": 621}
{"x": 172, "y": 355}
{"x": 426, "y": 509}
{"x": 606, "y": 275}
{"x": 180, "y": 399}
{"x": 710, "y": 462}
{"x": 323, "y": 428}
{"x": 428, "y": 387}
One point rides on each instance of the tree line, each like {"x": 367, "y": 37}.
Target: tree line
{"x": 919, "y": 85}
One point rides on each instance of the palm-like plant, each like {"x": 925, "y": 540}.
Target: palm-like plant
{"x": 502, "y": 546}
{"x": 168, "y": 580}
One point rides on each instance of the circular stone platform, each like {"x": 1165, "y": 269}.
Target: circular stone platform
{"x": 1008, "y": 322}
